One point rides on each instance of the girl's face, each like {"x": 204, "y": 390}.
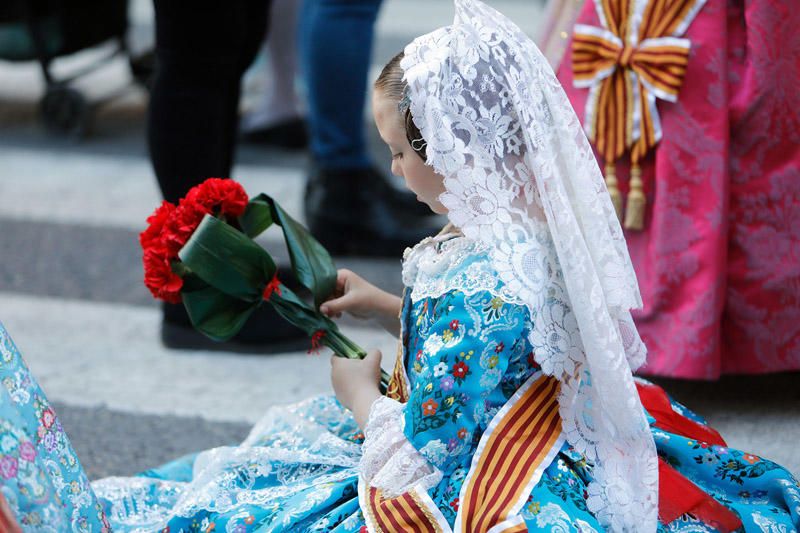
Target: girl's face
{"x": 420, "y": 178}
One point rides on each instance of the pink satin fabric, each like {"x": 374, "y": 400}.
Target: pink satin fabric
{"x": 719, "y": 259}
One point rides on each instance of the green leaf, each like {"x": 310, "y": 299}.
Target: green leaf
{"x": 256, "y": 218}
{"x": 299, "y": 313}
{"x": 214, "y": 313}
{"x": 311, "y": 262}
{"x": 228, "y": 260}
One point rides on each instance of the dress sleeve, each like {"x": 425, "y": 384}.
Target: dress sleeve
{"x": 468, "y": 345}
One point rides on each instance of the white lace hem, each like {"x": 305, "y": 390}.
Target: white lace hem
{"x": 389, "y": 461}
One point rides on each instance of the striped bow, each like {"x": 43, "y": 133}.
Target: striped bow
{"x": 635, "y": 57}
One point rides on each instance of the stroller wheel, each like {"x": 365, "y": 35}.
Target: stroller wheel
{"x": 65, "y": 111}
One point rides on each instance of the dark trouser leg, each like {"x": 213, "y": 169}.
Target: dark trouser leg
{"x": 202, "y": 49}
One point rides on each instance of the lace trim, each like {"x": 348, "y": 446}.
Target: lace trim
{"x": 437, "y": 266}
{"x": 389, "y": 461}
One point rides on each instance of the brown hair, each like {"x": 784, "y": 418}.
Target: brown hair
{"x": 392, "y": 85}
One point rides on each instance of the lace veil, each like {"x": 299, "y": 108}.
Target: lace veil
{"x": 521, "y": 179}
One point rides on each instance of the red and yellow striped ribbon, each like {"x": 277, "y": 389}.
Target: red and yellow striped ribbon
{"x": 403, "y": 513}
{"x": 517, "y": 449}
{"x": 627, "y": 67}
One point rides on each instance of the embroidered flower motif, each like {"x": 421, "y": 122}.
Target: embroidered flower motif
{"x": 446, "y": 383}
{"x": 460, "y": 370}
{"x": 493, "y": 360}
{"x": 447, "y": 335}
{"x": 455, "y": 504}
{"x": 8, "y": 467}
{"x": 499, "y": 348}
{"x": 48, "y": 417}
{"x": 440, "y": 370}
{"x": 430, "y": 407}
{"x": 452, "y": 444}
{"x": 27, "y": 452}
{"x": 710, "y": 459}
{"x": 462, "y": 433}
{"x": 752, "y": 459}
{"x": 454, "y": 325}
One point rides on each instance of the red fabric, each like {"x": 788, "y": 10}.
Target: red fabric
{"x": 678, "y": 496}
{"x": 657, "y": 403}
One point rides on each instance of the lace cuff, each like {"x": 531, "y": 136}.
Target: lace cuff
{"x": 389, "y": 461}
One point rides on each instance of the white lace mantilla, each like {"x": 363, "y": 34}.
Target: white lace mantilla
{"x": 521, "y": 179}
{"x": 389, "y": 461}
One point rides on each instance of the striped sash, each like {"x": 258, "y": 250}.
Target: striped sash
{"x": 520, "y": 442}
{"x": 413, "y": 511}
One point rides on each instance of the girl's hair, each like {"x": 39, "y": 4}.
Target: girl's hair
{"x": 393, "y": 86}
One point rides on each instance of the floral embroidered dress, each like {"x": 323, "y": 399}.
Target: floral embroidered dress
{"x": 464, "y": 371}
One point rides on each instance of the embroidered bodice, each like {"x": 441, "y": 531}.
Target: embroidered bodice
{"x": 465, "y": 353}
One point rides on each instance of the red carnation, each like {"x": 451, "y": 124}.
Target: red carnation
{"x": 159, "y": 277}
{"x": 151, "y": 237}
{"x": 181, "y": 225}
{"x": 219, "y": 195}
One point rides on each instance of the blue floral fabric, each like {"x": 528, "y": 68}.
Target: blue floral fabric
{"x": 465, "y": 355}
{"x": 40, "y": 475}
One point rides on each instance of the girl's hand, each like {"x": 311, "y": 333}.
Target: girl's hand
{"x": 358, "y": 297}
{"x": 356, "y": 383}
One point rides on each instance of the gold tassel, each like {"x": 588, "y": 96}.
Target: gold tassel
{"x": 634, "y": 212}
{"x": 613, "y": 188}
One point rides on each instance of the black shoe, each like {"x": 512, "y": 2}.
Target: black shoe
{"x": 265, "y": 331}
{"x": 290, "y": 134}
{"x": 351, "y": 213}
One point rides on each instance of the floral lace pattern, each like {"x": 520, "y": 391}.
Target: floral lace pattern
{"x": 521, "y": 179}
{"x": 439, "y": 265}
{"x": 390, "y": 462}
{"x": 298, "y": 467}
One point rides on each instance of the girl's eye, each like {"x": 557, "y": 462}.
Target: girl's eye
{"x": 397, "y": 155}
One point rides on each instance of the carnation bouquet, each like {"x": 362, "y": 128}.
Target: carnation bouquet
{"x": 201, "y": 253}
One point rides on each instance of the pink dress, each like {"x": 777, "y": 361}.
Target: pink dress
{"x": 718, "y": 260}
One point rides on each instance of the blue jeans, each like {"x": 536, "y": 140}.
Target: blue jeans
{"x": 335, "y": 51}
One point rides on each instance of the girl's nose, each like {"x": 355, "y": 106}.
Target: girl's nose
{"x": 396, "y": 170}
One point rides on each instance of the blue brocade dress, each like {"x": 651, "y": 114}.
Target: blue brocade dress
{"x": 464, "y": 356}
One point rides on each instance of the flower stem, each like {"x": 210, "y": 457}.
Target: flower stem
{"x": 344, "y": 347}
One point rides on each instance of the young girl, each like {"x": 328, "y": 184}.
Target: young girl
{"x": 512, "y": 406}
